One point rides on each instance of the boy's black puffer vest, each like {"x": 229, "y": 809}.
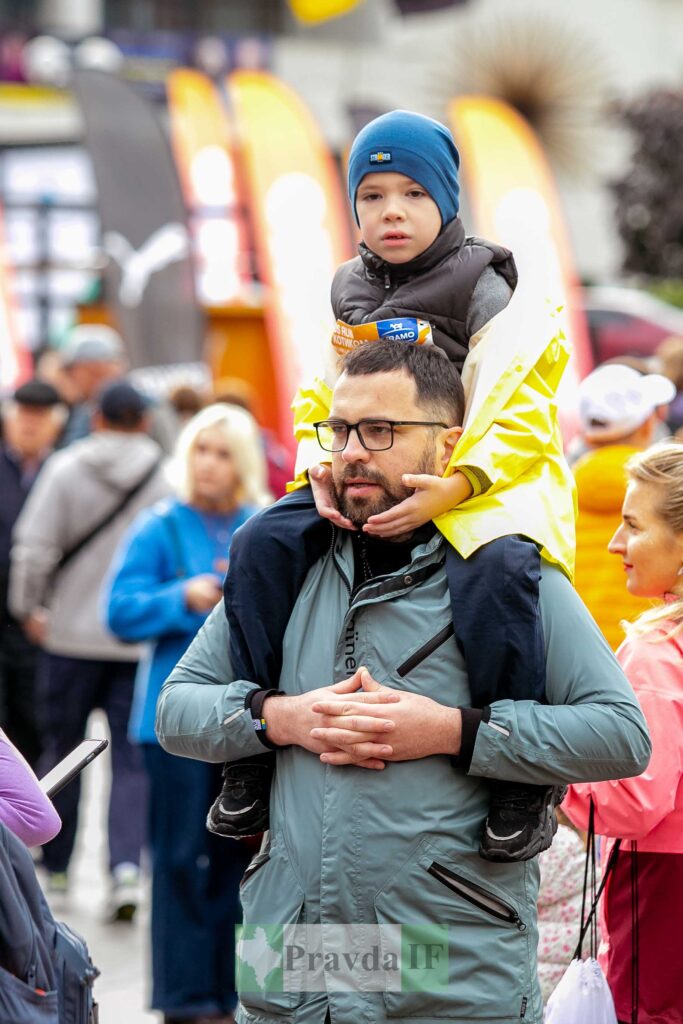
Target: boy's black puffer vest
{"x": 436, "y": 286}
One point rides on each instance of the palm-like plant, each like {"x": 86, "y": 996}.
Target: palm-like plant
{"x": 552, "y": 72}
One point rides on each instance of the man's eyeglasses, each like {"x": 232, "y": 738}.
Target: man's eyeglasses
{"x": 374, "y": 435}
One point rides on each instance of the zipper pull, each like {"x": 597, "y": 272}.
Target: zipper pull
{"x": 387, "y": 280}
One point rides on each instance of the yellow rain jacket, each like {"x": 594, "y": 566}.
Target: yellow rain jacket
{"x": 511, "y": 437}
{"x": 600, "y": 579}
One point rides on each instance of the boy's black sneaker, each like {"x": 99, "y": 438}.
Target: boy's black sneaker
{"x": 241, "y": 808}
{"x": 521, "y": 821}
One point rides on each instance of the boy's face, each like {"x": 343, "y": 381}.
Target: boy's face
{"x": 398, "y": 218}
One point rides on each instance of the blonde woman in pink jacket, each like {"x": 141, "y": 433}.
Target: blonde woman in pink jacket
{"x": 642, "y": 912}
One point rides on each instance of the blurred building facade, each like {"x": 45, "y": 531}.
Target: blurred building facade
{"x": 377, "y": 57}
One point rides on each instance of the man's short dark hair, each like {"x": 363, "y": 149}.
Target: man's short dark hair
{"x": 438, "y": 387}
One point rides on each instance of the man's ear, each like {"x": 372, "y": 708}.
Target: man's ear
{"x": 450, "y": 442}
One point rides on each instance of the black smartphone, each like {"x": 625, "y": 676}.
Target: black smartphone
{"x": 69, "y": 767}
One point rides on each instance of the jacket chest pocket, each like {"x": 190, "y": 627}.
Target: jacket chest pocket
{"x": 424, "y": 652}
{"x": 271, "y": 898}
{"x": 464, "y": 944}
{"x": 435, "y": 669}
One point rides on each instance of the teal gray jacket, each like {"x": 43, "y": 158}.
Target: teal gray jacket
{"x": 399, "y": 847}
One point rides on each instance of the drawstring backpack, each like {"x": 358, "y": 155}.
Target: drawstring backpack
{"x": 582, "y": 995}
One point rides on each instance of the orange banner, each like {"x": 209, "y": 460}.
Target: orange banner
{"x": 297, "y": 212}
{"x": 514, "y": 201}
{"x": 204, "y": 154}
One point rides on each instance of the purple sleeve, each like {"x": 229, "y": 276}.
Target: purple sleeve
{"x": 24, "y": 808}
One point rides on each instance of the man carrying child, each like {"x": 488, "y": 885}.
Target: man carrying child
{"x": 384, "y": 768}
{"x": 504, "y": 503}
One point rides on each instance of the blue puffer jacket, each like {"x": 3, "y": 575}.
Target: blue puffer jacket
{"x": 165, "y": 546}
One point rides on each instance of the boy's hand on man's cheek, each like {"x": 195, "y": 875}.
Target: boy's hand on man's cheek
{"x": 321, "y": 484}
{"x": 434, "y": 495}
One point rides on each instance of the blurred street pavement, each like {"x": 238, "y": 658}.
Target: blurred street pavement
{"x": 119, "y": 950}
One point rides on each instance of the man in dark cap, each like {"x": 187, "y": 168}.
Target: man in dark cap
{"x": 29, "y": 426}
{"x": 64, "y": 541}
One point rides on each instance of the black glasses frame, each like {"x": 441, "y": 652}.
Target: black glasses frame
{"x": 359, "y": 432}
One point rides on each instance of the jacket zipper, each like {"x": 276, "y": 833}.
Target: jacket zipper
{"x": 352, "y": 591}
{"x": 420, "y": 655}
{"x": 387, "y": 281}
{"x": 476, "y": 895}
{"x": 32, "y": 969}
{"x": 333, "y": 552}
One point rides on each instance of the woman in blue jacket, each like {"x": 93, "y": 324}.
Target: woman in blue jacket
{"x": 167, "y": 577}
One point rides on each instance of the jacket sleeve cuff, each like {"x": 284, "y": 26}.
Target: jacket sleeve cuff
{"x": 471, "y": 720}
{"x": 254, "y": 702}
{"x": 478, "y": 480}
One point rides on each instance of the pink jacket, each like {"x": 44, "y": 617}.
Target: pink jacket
{"x": 648, "y": 808}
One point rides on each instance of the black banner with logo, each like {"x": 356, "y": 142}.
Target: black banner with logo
{"x": 149, "y": 278}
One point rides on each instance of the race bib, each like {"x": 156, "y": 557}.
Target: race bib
{"x": 347, "y": 336}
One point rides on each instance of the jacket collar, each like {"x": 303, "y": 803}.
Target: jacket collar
{"x": 450, "y": 239}
{"x": 427, "y": 557}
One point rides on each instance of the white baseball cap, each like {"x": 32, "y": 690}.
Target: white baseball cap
{"x": 615, "y": 400}
{"x": 92, "y": 343}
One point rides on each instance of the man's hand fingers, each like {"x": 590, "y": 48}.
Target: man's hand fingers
{"x": 342, "y": 738}
{"x": 345, "y": 739}
{"x": 355, "y": 724}
{"x": 357, "y": 752}
{"x": 371, "y": 762}
{"x": 369, "y": 684}
{"x": 351, "y": 684}
{"x": 362, "y": 704}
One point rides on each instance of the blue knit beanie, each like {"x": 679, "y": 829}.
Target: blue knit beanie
{"x": 410, "y": 144}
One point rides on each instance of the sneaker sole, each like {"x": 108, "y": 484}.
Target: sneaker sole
{"x": 229, "y": 830}
{"x": 543, "y": 840}
{"x": 226, "y": 832}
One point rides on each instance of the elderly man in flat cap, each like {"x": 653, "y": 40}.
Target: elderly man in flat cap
{"x": 30, "y": 423}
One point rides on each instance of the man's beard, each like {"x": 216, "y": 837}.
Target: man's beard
{"x": 359, "y": 510}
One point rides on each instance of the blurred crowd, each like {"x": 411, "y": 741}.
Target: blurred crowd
{"x": 116, "y": 521}
{"x": 115, "y": 528}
